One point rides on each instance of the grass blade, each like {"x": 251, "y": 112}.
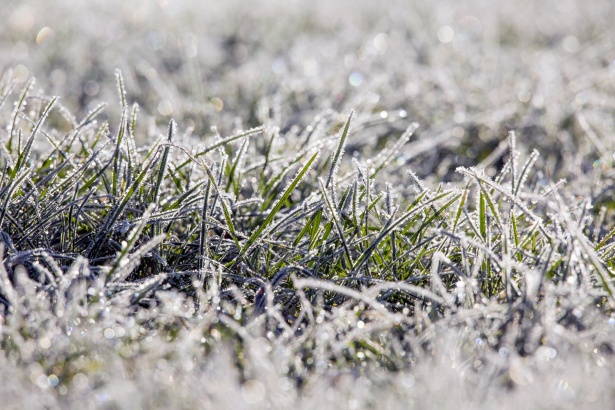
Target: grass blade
{"x": 340, "y": 150}
{"x": 278, "y": 205}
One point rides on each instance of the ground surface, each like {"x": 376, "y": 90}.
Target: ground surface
{"x": 351, "y": 204}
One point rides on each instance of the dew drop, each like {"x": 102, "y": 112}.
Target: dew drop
{"x": 355, "y": 79}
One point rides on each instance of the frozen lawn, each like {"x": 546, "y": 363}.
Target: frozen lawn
{"x": 307, "y": 204}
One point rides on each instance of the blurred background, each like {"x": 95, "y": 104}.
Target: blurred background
{"x": 466, "y": 71}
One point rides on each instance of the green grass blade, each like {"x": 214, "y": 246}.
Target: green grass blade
{"x": 336, "y": 220}
{"x": 23, "y": 157}
{"x": 225, "y": 210}
{"x": 278, "y": 205}
{"x": 163, "y": 163}
{"x": 340, "y": 150}
{"x": 117, "y": 156}
{"x": 462, "y": 203}
{"x": 249, "y": 133}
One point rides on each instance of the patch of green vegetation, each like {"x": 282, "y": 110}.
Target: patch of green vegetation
{"x": 317, "y": 240}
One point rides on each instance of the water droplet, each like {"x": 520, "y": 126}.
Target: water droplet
{"x": 278, "y": 66}
{"x": 459, "y": 117}
{"x": 91, "y": 88}
{"x": 571, "y": 44}
{"x": 355, "y": 79}
{"x": 21, "y": 19}
{"x": 524, "y": 96}
{"x": 165, "y": 107}
{"x": 217, "y": 103}
{"x": 44, "y": 343}
{"x": 81, "y": 381}
{"x": 446, "y": 34}
{"x": 43, "y": 34}
{"x": 381, "y": 42}
{"x": 20, "y": 73}
{"x": 53, "y": 380}
{"x": 253, "y": 392}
